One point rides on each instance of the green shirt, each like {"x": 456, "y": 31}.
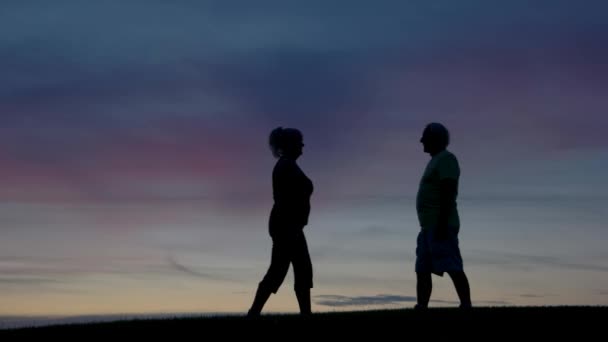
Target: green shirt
{"x": 443, "y": 165}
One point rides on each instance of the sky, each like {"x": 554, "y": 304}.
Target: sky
{"x": 135, "y": 175}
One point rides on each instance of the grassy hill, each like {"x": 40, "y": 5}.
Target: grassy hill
{"x": 382, "y": 324}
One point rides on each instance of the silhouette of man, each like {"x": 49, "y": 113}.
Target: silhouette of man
{"x": 289, "y": 214}
{"x": 437, "y": 248}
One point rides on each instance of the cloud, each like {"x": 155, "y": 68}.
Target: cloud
{"x": 491, "y": 302}
{"x": 214, "y": 275}
{"x": 534, "y": 295}
{"x": 376, "y": 231}
{"x": 28, "y": 280}
{"x": 529, "y": 261}
{"x": 386, "y": 299}
{"x": 184, "y": 90}
{"x": 381, "y": 299}
{"x": 32, "y": 269}
{"x": 531, "y": 296}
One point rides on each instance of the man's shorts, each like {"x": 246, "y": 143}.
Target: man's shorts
{"x": 438, "y": 256}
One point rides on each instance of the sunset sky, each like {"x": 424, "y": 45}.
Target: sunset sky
{"x": 135, "y": 175}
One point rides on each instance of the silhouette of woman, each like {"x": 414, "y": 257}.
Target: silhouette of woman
{"x": 291, "y": 191}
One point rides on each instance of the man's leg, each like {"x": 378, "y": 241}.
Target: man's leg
{"x": 461, "y": 283}
{"x": 424, "y": 283}
{"x": 424, "y": 287}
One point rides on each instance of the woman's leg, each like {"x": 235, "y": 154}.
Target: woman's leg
{"x": 279, "y": 265}
{"x": 302, "y": 268}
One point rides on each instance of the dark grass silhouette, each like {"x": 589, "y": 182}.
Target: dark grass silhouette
{"x": 395, "y": 324}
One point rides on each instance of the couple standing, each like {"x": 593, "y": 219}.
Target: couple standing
{"x": 437, "y": 248}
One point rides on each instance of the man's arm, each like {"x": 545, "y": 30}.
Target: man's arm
{"x": 448, "y": 189}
